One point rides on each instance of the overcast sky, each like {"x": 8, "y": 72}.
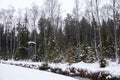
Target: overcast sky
{"x": 67, "y": 5}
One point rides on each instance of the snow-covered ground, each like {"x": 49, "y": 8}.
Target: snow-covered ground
{"x": 113, "y": 68}
{"x": 10, "y": 72}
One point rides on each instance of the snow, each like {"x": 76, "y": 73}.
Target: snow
{"x": 10, "y": 72}
{"x": 64, "y": 66}
{"x": 22, "y": 62}
{"x": 112, "y": 68}
{"x": 31, "y": 42}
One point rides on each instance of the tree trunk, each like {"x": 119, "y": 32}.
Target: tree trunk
{"x": 99, "y": 27}
{"x": 115, "y": 32}
{"x": 11, "y": 51}
{"x": 0, "y": 42}
{"x": 14, "y": 45}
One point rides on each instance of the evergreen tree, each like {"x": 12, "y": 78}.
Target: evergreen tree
{"x": 42, "y": 48}
{"x": 111, "y": 43}
{"x": 70, "y": 31}
{"x": 23, "y": 35}
{"x": 1, "y": 35}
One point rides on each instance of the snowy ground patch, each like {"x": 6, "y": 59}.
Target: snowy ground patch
{"x": 113, "y": 68}
{"x": 10, "y": 72}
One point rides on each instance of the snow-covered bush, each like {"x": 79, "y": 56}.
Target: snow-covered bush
{"x": 5, "y": 57}
{"x": 103, "y": 63}
{"x": 35, "y": 58}
{"x": 21, "y": 53}
{"x": 44, "y": 66}
{"x": 70, "y": 55}
{"x": 87, "y": 55}
{"x": 56, "y": 70}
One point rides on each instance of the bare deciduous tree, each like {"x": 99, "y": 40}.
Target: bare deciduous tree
{"x": 53, "y": 13}
{"x": 7, "y": 20}
{"x": 115, "y": 9}
{"x": 76, "y": 12}
{"x": 35, "y": 14}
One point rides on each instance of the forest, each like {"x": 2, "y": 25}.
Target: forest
{"x": 90, "y": 36}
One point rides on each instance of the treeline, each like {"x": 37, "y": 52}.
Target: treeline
{"x": 55, "y": 40}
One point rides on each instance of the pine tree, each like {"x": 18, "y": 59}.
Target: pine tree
{"x": 70, "y": 31}
{"x": 23, "y": 35}
{"x": 42, "y": 24}
{"x": 23, "y": 38}
{"x": 1, "y": 34}
{"x": 70, "y": 55}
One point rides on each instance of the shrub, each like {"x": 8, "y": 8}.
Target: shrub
{"x": 35, "y": 58}
{"x": 70, "y": 55}
{"x": 44, "y": 66}
{"x": 81, "y": 73}
{"x": 65, "y": 73}
{"x": 103, "y": 63}
{"x": 56, "y": 70}
{"x": 21, "y": 53}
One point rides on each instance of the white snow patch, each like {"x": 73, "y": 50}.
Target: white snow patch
{"x": 64, "y": 66}
{"x": 113, "y": 68}
{"x": 9, "y": 72}
{"x": 31, "y": 42}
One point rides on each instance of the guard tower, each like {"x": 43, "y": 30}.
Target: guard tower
{"x": 31, "y": 47}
